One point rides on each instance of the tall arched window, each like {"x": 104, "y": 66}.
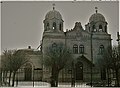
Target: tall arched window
{"x": 60, "y": 26}
{"x": 105, "y": 28}
{"x": 81, "y": 49}
{"x": 100, "y": 28}
{"x": 93, "y": 28}
{"x": 75, "y": 49}
{"x": 54, "y": 47}
{"x": 47, "y": 26}
{"x": 54, "y": 25}
{"x": 101, "y": 49}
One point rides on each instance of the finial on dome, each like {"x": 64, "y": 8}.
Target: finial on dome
{"x": 96, "y": 9}
{"x": 53, "y": 6}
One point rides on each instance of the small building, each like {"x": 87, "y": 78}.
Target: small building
{"x": 33, "y": 68}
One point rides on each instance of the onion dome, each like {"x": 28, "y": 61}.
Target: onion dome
{"x": 53, "y": 14}
{"x": 97, "y": 17}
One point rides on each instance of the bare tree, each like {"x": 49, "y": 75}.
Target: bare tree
{"x": 111, "y": 61}
{"x": 57, "y": 58}
{"x": 6, "y": 64}
{"x": 19, "y": 59}
{"x": 107, "y": 62}
{"x": 116, "y": 63}
{"x": 12, "y": 60}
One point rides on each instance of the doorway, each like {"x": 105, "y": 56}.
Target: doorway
{"x": 79, "y": 70}
{"x": 28, "y": 72}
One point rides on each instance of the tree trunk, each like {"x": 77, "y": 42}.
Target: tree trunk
{"x": 0, "y": 76}
{"x": 3, "y": 76}
{"x": 13, "y": 80}
{"x": 6, "y": 77}
{"x": 10, "y": 77}
{"x": 52, "y": 78}
{"x": 56, "y": 79}
{"x": 117, "y": 77}
{"x": 108, "y": 76}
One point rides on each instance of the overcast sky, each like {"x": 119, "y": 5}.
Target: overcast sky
{"x": 22, "y": 22}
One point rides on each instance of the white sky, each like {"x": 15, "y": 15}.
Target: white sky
{"x": 22, "y": 22}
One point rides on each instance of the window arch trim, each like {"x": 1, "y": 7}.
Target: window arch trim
{"x": 75, "y": 49}
{"x": 54, "y": 25}
{"x": 101, "y": 49}
{"x": 81, "y": 49}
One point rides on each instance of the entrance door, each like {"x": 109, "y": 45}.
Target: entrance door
{"x": 79, "y": 71}
{"x": 28, "y": 72}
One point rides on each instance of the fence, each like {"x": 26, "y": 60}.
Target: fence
{"x": 34, "y": 77}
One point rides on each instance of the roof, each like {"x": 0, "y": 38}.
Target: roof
{"x": 53, "y": 14}
{"x": 87, "y": 60}
{"x": 96, "y": 17}
{"x": 31, "y": 51}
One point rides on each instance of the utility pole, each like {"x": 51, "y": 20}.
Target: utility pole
{"x": 33, "y": 75}
{"x": 118, "y": 38}
{"x": 73, "y": 75}
{"x": 118, "y": 56}
{"x": 91, "y": 58}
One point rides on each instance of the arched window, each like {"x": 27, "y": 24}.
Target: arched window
{"x": 47, "y": 26}
{"x": 81, "y": 49}
{"x": 105, "y": 28}
{"x": 93, "y": 28}
{"x": 60, "y": 26}
{"x": 101, "y": 49}
{"x": 75, "y": 49}
{"x": 54, "y": 45}
{"x": 54, "y": 25}
{"x": 100, "y": 28}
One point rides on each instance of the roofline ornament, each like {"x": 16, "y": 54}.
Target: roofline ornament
{"x": 96, "y": 8}
{"x": 53, "y": 6}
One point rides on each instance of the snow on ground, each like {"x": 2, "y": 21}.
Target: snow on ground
{"x": 45, "y": 84}
{"x": 23, "y": 84}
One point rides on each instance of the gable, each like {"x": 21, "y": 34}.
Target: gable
{"x": 83, "y": 59}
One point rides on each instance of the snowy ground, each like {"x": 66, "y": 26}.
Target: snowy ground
{"x": 45, "y": 84}
{"x": 36, "y": 84}
{"x": 23, "y": 84}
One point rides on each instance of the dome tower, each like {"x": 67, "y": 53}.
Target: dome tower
{"x": 97, "y": 23}
{"x": 53, "y": 21}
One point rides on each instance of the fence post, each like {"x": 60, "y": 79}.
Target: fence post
{"x": 33, "y": 76}
{"x": 0, "y": 77}
{"x": 17, "y": 78}
{"x": 73, "y": 75}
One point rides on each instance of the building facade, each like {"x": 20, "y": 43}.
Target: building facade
{"x": 87, "y": 45}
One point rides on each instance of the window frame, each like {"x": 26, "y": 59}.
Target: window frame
{"x": 81, "y": 49}
{"x": 75, "y": 49}
{"x": 101, "y": 49}
{"x": 54, "y": 25}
